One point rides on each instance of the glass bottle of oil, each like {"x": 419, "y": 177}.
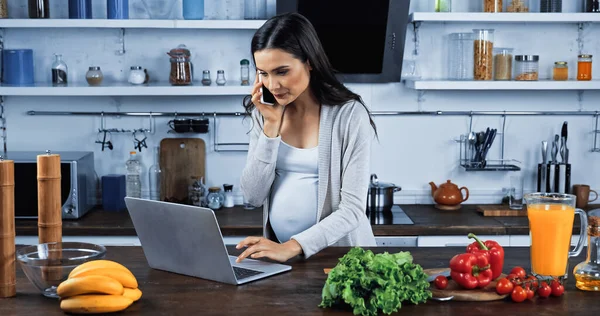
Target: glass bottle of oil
{"x": 587, "y": 273}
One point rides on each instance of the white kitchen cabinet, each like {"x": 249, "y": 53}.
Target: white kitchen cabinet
{"x": 459, "y": 241}
{"x": 525, "y": 240}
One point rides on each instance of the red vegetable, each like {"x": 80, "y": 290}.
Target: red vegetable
{"x": 493, "y": 251}
{"x": 471, "y": 270}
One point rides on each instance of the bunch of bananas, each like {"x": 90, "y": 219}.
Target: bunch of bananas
{"x": 99, "y": 286}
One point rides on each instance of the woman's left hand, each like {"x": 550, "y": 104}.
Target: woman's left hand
{"x": 259, "y": 247}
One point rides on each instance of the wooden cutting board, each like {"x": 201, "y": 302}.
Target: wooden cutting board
{"x": 476, "y": 295}
{"x": 500, "y": 210}
{"x": 181, "y": 160}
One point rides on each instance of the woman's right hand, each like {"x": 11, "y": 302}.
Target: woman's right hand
{"x": 272, "y": 114}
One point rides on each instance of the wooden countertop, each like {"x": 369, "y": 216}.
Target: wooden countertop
{"x": 237, "y": 221}
{"x": 297, "y": 292}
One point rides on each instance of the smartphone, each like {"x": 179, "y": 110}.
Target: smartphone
{"x": 266, "y": 96}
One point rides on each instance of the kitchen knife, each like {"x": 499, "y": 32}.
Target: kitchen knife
{"x": 544, "y": 152}
{"x": 563, "y": 135}
{"x": 555, "y": 148}
{"x": 432, "y": 277}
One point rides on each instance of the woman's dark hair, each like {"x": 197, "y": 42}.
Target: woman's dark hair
{"x": 294, "y": 34}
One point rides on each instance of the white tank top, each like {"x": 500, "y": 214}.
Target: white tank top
{"x": 294, "y": 205}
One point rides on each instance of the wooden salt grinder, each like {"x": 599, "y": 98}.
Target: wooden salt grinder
{"x": 49, "y": 203}
{"x": 7, "y": 229}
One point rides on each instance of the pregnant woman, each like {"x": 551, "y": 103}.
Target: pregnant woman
{"x": 309, "y": 155}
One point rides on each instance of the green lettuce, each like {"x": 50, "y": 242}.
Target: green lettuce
{"x": 369, "y": 282}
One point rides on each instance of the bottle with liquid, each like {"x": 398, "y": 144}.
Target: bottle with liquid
{"x": 587, "y": 273}
{"x": 154, "y": 174}
{"x": 133, "y": 187}
{"x": 59, "y": 71}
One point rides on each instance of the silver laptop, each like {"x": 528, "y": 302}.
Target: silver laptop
{"x": 187, "y": 240}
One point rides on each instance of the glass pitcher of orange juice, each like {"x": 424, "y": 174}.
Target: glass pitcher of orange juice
{"x": 551, "y": 217}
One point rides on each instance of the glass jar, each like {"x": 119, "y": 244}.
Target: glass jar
{"x": 206, "y": 78}
{"x": 550, "y": 5}
{"x": 228, "y": 188}
{"x": 587, "y": 273}
{"x": 492, "y": 5}
{"x": 215, "y": 198}
{"x": 560, "y": 72}
{"x": 221, "y": 78}
{"x": 39, "y": 9}
{"x": 245, "y": 72}
{"x": 443, "y": 5}
{"x": 584, "y": 67}
{"x": 592, "y": 5}
{"x": 181, "y": 66}
{"x": 197, "y": 192}
{"x": 3, "y": 9}
{"x": 517, "y": 6}
{"x": 136, "y": 75}
{"x": 483, "y": 47}
{"x": 460, "y": 57}
{"x": 503, "y": 63}
{"x": 94, "y": 76}
{"x": 527, "y": 67}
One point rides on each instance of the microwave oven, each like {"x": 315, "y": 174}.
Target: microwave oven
{"x": 78, "y": 184}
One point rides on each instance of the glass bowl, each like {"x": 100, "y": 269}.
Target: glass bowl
{"x": 47, "y": 265}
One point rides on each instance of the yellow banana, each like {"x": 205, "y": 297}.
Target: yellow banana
{"x": 134, "y": 294}
{"x": 96, "y": 264}
{"x": 90, "y": 284}
{"x": 126, "y": 278}
{"x": 94, "y": 304}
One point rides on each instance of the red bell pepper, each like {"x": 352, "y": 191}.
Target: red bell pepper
{"x": 470, "y": 270}
{"x": 495, "y": 253}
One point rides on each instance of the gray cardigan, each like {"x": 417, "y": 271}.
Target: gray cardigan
{"x": 345, "y": 137}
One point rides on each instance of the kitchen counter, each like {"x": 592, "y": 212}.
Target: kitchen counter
{"x": 236, "y": 221}
{"x": 297, "y": 292}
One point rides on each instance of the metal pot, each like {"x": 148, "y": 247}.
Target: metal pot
{"x": 381, "y": 194}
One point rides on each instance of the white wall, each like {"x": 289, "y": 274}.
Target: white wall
{"x": 411, "y": 150}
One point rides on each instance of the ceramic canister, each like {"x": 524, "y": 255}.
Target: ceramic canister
{"x": 18, "y": 66}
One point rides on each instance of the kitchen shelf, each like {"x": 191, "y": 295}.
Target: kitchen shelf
{"x": 132, "y": 24}
{"x": 504, "y": 17}
{"x": 123, "y": 89}
{"x": 502, "y": 85}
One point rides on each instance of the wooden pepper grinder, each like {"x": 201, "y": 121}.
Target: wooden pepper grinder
{"x": 7, "y": 229}
{"x": 49, "y": 203}
{"x": 50, "y": 211}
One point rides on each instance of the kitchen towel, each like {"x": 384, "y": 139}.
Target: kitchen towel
{"x": 17, "y": 66}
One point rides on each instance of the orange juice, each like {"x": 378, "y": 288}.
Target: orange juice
{"x": 551, "y": 227}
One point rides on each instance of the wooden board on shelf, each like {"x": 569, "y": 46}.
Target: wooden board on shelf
{"x": 500, "y": 210}
{"x": 181, "y": 160}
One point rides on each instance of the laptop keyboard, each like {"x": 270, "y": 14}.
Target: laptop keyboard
{"x": 242, "y": 273}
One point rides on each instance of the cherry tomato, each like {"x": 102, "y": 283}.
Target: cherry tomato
{"x": 441, "y": 282}
{"x": 557, "y": 288}
{"x": 518, "y": 294}
{"x": 544, "y": 290}
{"x": 530, "y": 293}
{"x": 519, "y": 272}
{"x": 504, "y": 286}
{"x": 533, "y": 281}
{"x": 514, "y": 279}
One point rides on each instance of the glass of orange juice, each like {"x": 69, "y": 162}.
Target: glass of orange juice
{"x": 551, "y": 217}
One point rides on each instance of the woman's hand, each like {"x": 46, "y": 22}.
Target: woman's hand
{"x": 259, "y": 247}
{"x": 273, "y": 114}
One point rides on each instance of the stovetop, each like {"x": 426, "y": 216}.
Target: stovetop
{"x": 392, "y": 216}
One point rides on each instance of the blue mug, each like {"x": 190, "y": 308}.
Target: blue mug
{"x": 117, "y": 9}
{"x": 18, "y": 66}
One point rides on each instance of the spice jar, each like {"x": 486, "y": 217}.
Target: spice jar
{"x": 584, "y": 67}
{"x": 206, "y": 78}
{"x": 3, "y": 9}
{"x": 197, "y": 192}
{"x": 560, "y": 71}
{"x": 503, "y": 63}
{"x": 483, "y": 47}
{"x": 592, "y": 5}
{"x": 228, "y": 188}
{"x": 551, "y": 6}
{"x": 492, "y": 5}
{"x": 94, "y": 76}
{"x": 215, "y": 198}
{"x": 221, "y": 78}
{"x": 443, "y": 5}
{"x": 181, "y": 66}
{"x": 587, "y": 273}
{"x": 527, "y": 67}
{"x": 245, "y": 72}
{"x": 517, "y": 6}
{"x": 136, "y": 75}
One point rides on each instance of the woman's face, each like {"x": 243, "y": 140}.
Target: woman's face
{"x": 284, "y": 75}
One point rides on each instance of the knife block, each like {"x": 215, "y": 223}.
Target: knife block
{"x": 554, "y": 178}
